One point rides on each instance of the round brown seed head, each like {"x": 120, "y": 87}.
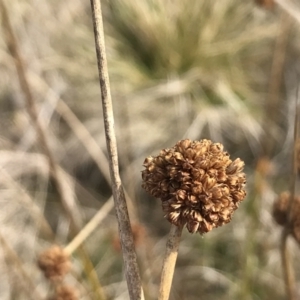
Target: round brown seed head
{"x": 281, "y": 207}
{"x": 197, "y": 182}
{"x": 281, "y": 213}
{"x": 54, "y": 263}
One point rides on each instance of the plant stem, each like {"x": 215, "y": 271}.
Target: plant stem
{"x": 129, "y": 255}
{"x": 287, "y": 269}
{"x": 169, "y": 262}
{"x": 288, "y": 272}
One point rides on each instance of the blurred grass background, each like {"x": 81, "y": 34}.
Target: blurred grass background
{"x": 224, "y": 70}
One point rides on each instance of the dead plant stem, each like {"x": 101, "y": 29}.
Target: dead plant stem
{"x": 169, "y": 262}
{"x": 288, "y": 272}
{"x": 128, "y": 250}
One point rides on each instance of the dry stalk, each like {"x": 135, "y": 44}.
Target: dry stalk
{"x": 288, "y": 272}
{"x": 126, "y": 238}
{"x": 169, "y": 262}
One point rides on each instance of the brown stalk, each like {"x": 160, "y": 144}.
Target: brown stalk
{"x": 169, "y": 262}
{"x": 126, "y": 238}
{"x": 288, "y": 272}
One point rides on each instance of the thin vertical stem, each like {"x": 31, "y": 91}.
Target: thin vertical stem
{"x": 169, "y": 262}
{"x": 288, "y": 272}
{"x": 129, "y": 255}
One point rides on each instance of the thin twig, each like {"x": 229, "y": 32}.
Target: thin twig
{"x": 287, "y": 269}
{"x": 288, "y": 272}
{"x": 129, "y": 255}
{"x": 169, "y": 262}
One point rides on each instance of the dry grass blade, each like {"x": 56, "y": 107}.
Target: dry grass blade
{"x": 128, "y": 250}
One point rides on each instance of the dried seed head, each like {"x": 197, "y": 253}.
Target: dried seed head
{"x": 280, "y": 213}
{"x": 65, "y": 292}
{"x": 197, "y": 182}
{"x": 54, "y": 262}
{"x": 281, "y": 206}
